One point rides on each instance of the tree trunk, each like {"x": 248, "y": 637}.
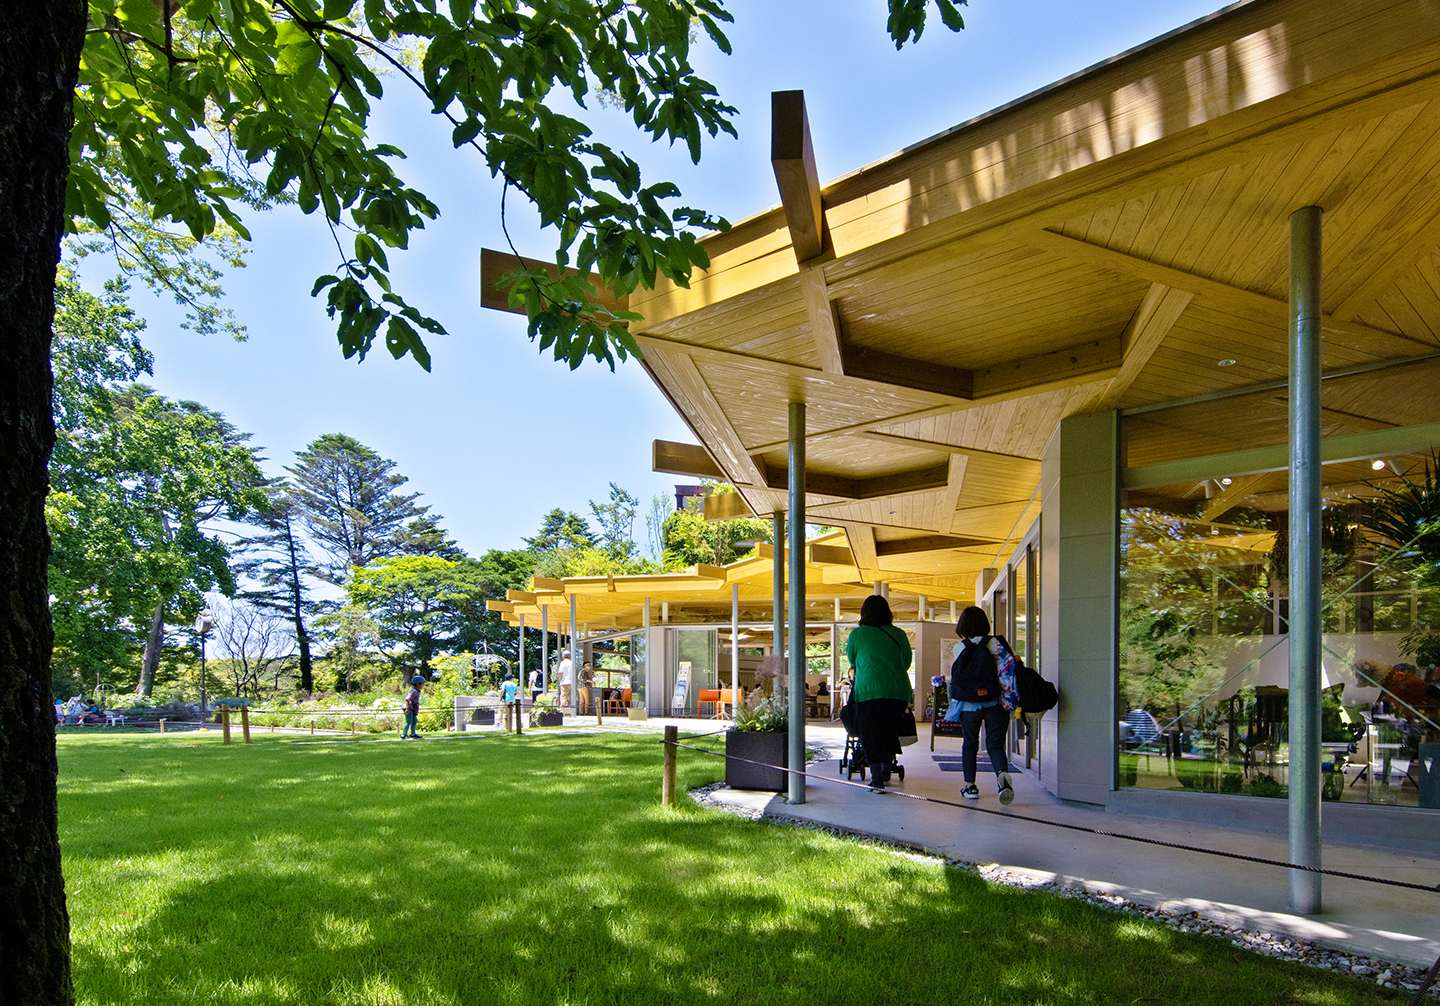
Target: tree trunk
{"x": 302, "y": 638}
{"x": 151, "y": 659}
{"x": 39, "y": 59}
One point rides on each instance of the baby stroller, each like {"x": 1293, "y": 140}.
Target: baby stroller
{"x": 854, "y": 760}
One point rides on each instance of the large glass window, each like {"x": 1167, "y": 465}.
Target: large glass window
{"x": 1204, "y": 598}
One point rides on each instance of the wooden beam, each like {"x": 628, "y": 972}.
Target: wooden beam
{"x": 927, "y": 543}
{"x": 793, "y": 158}
{"x": 522, "y": 596}
{"x": 684, "y": 459}
{"x": 897, "y": 483}
{"x": 824, "y": 319}
{"x": 1159, "y": 310}
{"x": 862, "y": 546}
{"x": 1225, "y": 500}
{"x": 935, "y": 445}
{"x": 950, "y": 497}
{"x": 1058, "y": 368}
{"x": 726, "y": 506}
{"x": 547, "y": 584}
{"x": 887, "y": 368}
{"x": 830, "y": 555}
{"x": 505, "y": 606}
{"x": 709, "y": 572}
{"x": 494, "y": 264}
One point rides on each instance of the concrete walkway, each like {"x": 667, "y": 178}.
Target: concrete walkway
{"x": 1392, "y": 923}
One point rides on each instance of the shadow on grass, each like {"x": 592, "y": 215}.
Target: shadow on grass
{"x": 542, "y": 870}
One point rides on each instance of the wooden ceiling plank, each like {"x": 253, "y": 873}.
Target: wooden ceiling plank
{"x": 945, "y": 502}
{"x": 1384, "y": 343}
{"x": 862, "y": 545}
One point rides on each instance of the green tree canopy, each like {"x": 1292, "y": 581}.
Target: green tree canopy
{"x": 347, "y": 499}
{"x": 418, "y": 602}
{"x": 135, "y": 479}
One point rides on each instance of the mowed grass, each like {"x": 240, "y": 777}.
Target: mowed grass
{"x": 542, "y": 869}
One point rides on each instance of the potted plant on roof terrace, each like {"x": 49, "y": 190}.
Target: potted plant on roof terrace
{"x": 759, "y": 735}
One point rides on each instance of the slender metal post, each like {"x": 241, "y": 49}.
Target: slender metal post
{"x": 524, "y": 678}
{"x": 797, "y": 601}
{"x": 545, "y": 648}
{"x": 575, "y": 661}
{"x": 777, "y": 645}
{"x": 1305, "y": 558}
{"x": 734, "y": 651}
{"x": 649, "y": 662}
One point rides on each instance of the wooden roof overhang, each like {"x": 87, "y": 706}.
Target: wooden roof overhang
{"x": 703, "y": 593}
{"x": 1100, "y": 244}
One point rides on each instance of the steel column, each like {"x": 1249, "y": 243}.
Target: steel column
{"x": 545, "y": 647}
{"x": 734, "y": 651}
{"x": 797, "y": 601}
{"x": 524, "y": 678}
{"x": 575, "y": 661}
{"x": 777, "y": 643}
{"x": 1304, "y": 623}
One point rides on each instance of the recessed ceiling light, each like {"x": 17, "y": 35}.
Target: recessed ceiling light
{"x": 1378, "y": 464}
{"x": 1226, "y": 363}
{"x": 1225, "y": 482}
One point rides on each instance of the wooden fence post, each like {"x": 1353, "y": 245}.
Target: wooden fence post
{"x": 519, "y": 712}
{"x": 245, "y": 722}
{"x": 162, "y": 725}
{"x": 225, "y": 722}
{"x": 667, "y": 778}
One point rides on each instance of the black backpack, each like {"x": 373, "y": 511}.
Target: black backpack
{"x": 1036, "y": 695}
{"x": 975, "y": 676}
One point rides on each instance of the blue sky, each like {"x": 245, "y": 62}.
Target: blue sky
{"x": 498, "y": 434}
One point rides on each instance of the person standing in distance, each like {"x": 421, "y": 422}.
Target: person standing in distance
{"x": 975, "y": 686}
{"x": 412, "y": 709}
{"x": 535, "y": 688}
{"x": 565, "y": 673}
{"x": 880, "y": 655}
{"x": 509, "y": 690}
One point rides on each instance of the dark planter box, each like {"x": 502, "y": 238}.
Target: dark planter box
{"x": 769, "y": 748}
{"x": 551, "y": 719}
{"x": 483, "y": 717}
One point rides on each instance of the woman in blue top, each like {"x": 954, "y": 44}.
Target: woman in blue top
{"x": 880, "y": 655}
{"x": 975, "y": 688}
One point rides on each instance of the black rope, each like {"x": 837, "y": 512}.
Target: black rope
{"x": 1425, "y": 985}
{"x": 1094, "y": 831}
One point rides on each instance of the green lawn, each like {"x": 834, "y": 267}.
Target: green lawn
{"x": 542, "y": 869}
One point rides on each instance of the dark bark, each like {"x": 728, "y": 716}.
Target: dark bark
{"x": 40, "y": 45}
{"x": 150, "y": 659}
{"x": 297, "y": 602}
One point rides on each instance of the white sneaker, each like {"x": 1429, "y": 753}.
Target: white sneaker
{"x": 1007, "y": 792}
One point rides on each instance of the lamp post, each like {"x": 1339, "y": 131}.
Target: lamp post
{"x": 203, "y": 624}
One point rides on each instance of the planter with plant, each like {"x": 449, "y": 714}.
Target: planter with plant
{"x": 760, "y": 737}
{"x": 545, "y": 714}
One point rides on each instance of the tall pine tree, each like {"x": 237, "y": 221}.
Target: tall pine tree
{"x": 347, "y": 500}
{"x": 278, "y": 561}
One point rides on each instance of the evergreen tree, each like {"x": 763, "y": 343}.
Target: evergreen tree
{"x": 279, "y": 562}
{"x": 347, "y": 501}
{"x": 425, "y": 536}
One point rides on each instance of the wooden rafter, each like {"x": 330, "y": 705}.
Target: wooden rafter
{"x": 793, "y": 158}
{"x": 684, "y": 459}
{"x": 1157, "y": 314}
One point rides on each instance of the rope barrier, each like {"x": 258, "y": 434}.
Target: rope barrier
{"x": 1261, "y": 860}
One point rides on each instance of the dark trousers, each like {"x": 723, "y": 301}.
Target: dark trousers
{"x": 994, "y": 718}
{"x": 877, "y": 721}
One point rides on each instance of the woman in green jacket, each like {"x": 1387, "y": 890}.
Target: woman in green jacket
{"x": 880, "y": 655}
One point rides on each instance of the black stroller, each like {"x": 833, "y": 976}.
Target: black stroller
{"x": 854, "y": 760}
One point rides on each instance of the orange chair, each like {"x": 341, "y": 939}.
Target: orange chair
{"x": 617, "y": 704}
{"x": 710, "y": 697}
{"x": 727, "y": 698}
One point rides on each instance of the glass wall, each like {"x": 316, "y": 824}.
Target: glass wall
{"x": 1203, "y": 669}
